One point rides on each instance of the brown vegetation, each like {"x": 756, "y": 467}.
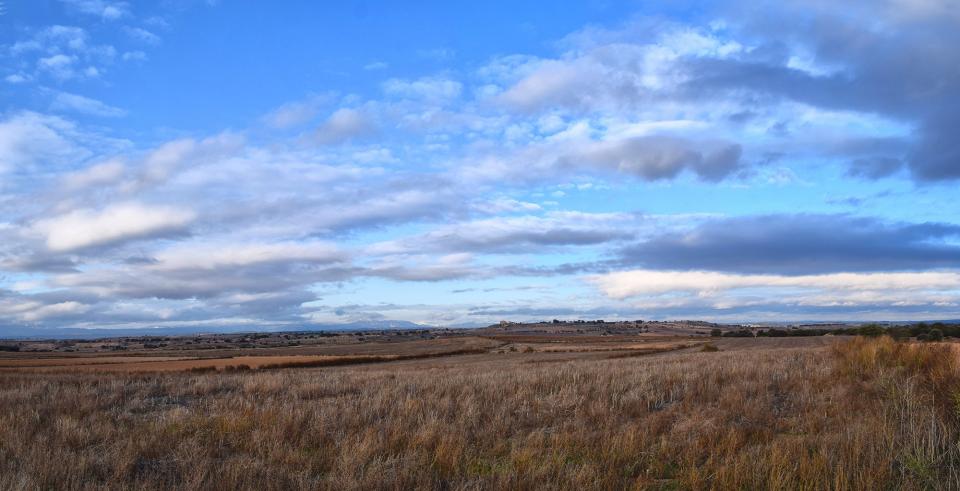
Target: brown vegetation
{"x": 868, "y": 414}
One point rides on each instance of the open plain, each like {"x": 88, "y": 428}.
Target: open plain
{"x": 486, "y": 410}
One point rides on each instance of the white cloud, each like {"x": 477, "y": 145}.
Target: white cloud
{"x": 343, "y": 125}
{"x": 638, "y": 283}
{"x": 162, "y": 163}
{"x": 516, "y": 234}
{"x": 59, "y": 65}
{"x": 29, "y": 138}
{"x": 213, "y": 256}
{"x": 54, "y": 310}
{"x": 108, "y": 172}
{"x": 17, "y": 78}
{"x": 64, "y": 101}
{"x": 115, "y": 223}
{"x": 142, "y": 35}
{"x": 134, "y": 56}
{"x": 431, "y": 89}
{"x": 505, "y": 205}
{"x": 104, "y": 9}
{"x": 295, "y": 113}
{"x": 376, "y": 65}
{"x": 437, "y": 54}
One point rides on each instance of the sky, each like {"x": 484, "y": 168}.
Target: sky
{"x": 261, "y": 165}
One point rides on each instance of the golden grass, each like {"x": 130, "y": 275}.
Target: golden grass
{"x": 854, "y": 417}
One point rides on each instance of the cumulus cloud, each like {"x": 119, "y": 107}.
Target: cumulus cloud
{"x": 116, "y": 223}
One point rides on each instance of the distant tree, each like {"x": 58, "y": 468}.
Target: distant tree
{"x": 556, "y": 321}
{"x": 935, "y": 335}
{"x": 716, "y": 333}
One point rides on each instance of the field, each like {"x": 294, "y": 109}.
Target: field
{"x": 490, "y": 410}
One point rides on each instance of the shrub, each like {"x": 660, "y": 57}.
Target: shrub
{"x": 935, "y": 335}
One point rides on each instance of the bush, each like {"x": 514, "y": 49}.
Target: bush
{"x": 709, "y": 348}
{"x": 716, "y": 333}
{"x": 870, "y": 330}
{"x": 743, "y": 333}
{"x": 935, "y": 335}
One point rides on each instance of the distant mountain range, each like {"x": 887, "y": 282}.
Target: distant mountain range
{"x": 96, "y": 333}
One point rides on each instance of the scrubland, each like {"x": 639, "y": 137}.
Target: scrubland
{"x": 855, "y": 414}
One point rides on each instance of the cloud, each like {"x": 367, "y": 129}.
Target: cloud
{"x": 164, "y": 162}
{"x": 17, "y": 78}
{"x": 114, "y": 224}
{"x": 142, "y": 35}
{"x": 516, "y": 234}
{"x": 376, "y": 65}
{"x": 233, "y": 273}
{"x": 344, "y": 125}
{"x": 104, "y": 9}
{"x": 101, "y": 174}
{"x": 553, "y": 83}
{"x": 227, "y": 256}
{"x": 65, "y": 101}
{"x": 54, "y": 39}
{"x": 296, "y": 113}
{"x": 424, "y": 268}
{"x": 60, "y": 65}
{"x": 877, "y": 70}
{"x": 661, "y": 157}
{"x": 431, "y": 89}
{"x": 874, "y": 168}
{"x": 437, "y": 54}
{"x": 799, "y": 244}
{"x": 61, "y": 52}
{"x": 28, "y": 139}
{"x": 134, "y": 56}
{"x": 634, "y": 283}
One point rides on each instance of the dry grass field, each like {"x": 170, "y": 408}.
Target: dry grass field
{"x": 787, "y": 413}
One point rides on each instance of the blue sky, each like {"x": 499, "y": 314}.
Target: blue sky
{"x": 241, "y": 164}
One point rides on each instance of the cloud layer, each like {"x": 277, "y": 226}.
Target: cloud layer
{"x": 794, "y": 160}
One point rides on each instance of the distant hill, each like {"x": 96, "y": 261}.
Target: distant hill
{"x": 96, "y": 333}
